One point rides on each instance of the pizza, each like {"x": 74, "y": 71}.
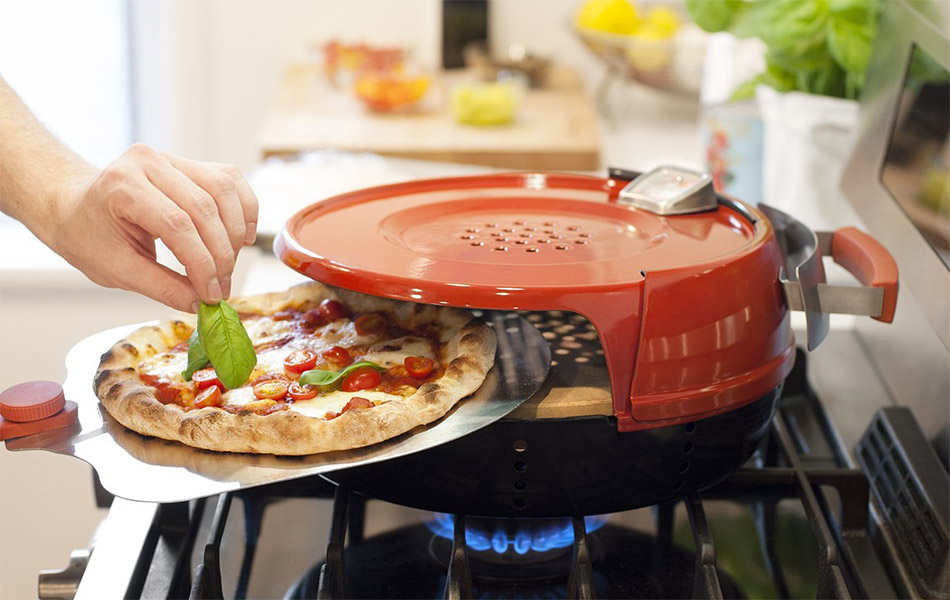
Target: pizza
{"x": 395, "y": 366}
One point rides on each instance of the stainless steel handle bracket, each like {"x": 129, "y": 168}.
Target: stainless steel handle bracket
{"x": 803, "y": 278}
{"x": 802, "y": 273}
{"x": 839, "y": 299}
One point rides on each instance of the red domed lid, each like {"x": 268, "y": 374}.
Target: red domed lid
{"x": 509, "y": 241}
{"x": 669, "y": 294}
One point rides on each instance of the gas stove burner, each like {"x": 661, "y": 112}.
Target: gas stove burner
{"x": 627, "y": 564}
{"x": 524, "y": 539}
{"x": 513, "y": 550}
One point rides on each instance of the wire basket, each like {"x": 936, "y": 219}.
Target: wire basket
{"x": 672, "y": 64}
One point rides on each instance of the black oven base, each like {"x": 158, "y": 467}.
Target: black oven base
{"x": 566, "y": 467}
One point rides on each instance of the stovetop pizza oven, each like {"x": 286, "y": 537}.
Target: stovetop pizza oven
{"x": 651, "y": 429}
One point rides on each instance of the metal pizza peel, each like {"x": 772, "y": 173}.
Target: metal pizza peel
{"x": 148, "y": 469}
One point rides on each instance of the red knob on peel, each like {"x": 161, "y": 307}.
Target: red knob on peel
{"x": 31, "y": 401}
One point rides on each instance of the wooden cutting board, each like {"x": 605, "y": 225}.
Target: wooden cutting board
{"x": 556, "y": 128}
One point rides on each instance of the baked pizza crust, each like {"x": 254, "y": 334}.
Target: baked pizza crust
{"x": 469, "y": 355}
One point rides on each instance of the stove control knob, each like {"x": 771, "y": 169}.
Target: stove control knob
{"x": 34, "y": 406}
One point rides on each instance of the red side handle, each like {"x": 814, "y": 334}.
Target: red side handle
{"x": 870, "y": 262}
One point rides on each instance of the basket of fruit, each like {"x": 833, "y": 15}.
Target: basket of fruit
{"x": 651, "y": 43}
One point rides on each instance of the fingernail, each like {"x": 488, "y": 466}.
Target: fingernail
{"x": 214, "y": 291}
{"x": 251, "y": 234}
{"x": 195, "y": 307}
{"x": 225, "y": 287}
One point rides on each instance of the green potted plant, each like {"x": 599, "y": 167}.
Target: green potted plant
{"x": 818, "y": 47}
{"x": 816, "y": 55}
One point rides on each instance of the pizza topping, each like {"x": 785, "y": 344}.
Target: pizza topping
{"x": 363, "y": 378}
{"x": 226, "y": 342}
{"x": 328, "y": 311}
{"x": 327, "y": 378}
{"x": 210, "y": 396}
{"x": 419, "y": 366}
{"x": 315, "y": 369}
{"x": 299, "y": 361}
{"x": 273, "y": 389}
{"x": 197, "y": 357}
{"x": 299, "y": 392}
{"x": 339, "y": 356}
{"x": 355, "y": 402}
{"x": 332, "y": 310}
{"x": 206, "y": 378}
{"x": 165, "y": 392}
{"x": 259, "y": 406}
{"x": 370, "y": 324}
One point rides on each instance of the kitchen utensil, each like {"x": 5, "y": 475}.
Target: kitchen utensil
{"x": 143, "y": 468}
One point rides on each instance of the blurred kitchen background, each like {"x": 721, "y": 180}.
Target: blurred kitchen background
{"x": 314, "y": 97}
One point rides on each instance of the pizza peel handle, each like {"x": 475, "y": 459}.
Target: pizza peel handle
{"x": 148, "y": 469}
{"x": 34, "y": 407}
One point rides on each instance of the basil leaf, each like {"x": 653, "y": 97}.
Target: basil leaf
{"x": 197, "y": 357}
{"x": 224, "y": 339}
{"x": 325, "y": 378}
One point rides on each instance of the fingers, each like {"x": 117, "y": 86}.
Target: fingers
{"x": 209, "y": 217}
{"x": 236, "y": 201}
{"x": 149, "y": 208}
{"x": 247, "y": 198}
{"x": 203, "y": 212}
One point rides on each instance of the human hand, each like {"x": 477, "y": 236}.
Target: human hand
{"x": 105, "y": 224}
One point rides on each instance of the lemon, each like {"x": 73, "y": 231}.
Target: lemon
{"x": 662, "y": 21}
{"x": 650, "y": 51}
{"x": 614, "y": 16}
{"x": 488, "y": 103}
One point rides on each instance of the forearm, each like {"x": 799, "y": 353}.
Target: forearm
{"x": 35, "y": 167}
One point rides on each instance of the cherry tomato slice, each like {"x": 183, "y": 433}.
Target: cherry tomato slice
{"x": 314, "y": 318}
{"x": 274, "y": 389}
{"x": 206, "y": 378}
{"x": 210, "y": 396}
{"x": 419, "y": 366}
{"x": 302, "y": 392}
{"x": 339, "y": 356}
{"x": 370, "y": 323}
{"x": 299, "y": 361}
{"x": 363, "y": 378}
{"x": 355, "y": 402}
{"x": 327, "y": 312}
{"x": 332, "y": 310}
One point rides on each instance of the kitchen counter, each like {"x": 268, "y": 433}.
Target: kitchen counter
{"x": 556, "y": 127}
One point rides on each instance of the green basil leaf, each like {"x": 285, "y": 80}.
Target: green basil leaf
{"x": 224, "y": 339}
{"x": 327, "y": 378}
{"x": 197, "y": 357}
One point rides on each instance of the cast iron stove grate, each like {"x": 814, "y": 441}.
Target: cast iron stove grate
{"x": 793, "y": 462}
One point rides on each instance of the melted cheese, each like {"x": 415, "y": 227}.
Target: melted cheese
{"x": 333, "y": 402}
{"x": 393, "y": 352}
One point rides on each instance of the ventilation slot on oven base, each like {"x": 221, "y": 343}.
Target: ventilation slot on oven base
{"x": 912, "y": 490}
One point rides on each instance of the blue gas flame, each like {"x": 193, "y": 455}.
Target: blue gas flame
{"x": 526, "y": 536}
